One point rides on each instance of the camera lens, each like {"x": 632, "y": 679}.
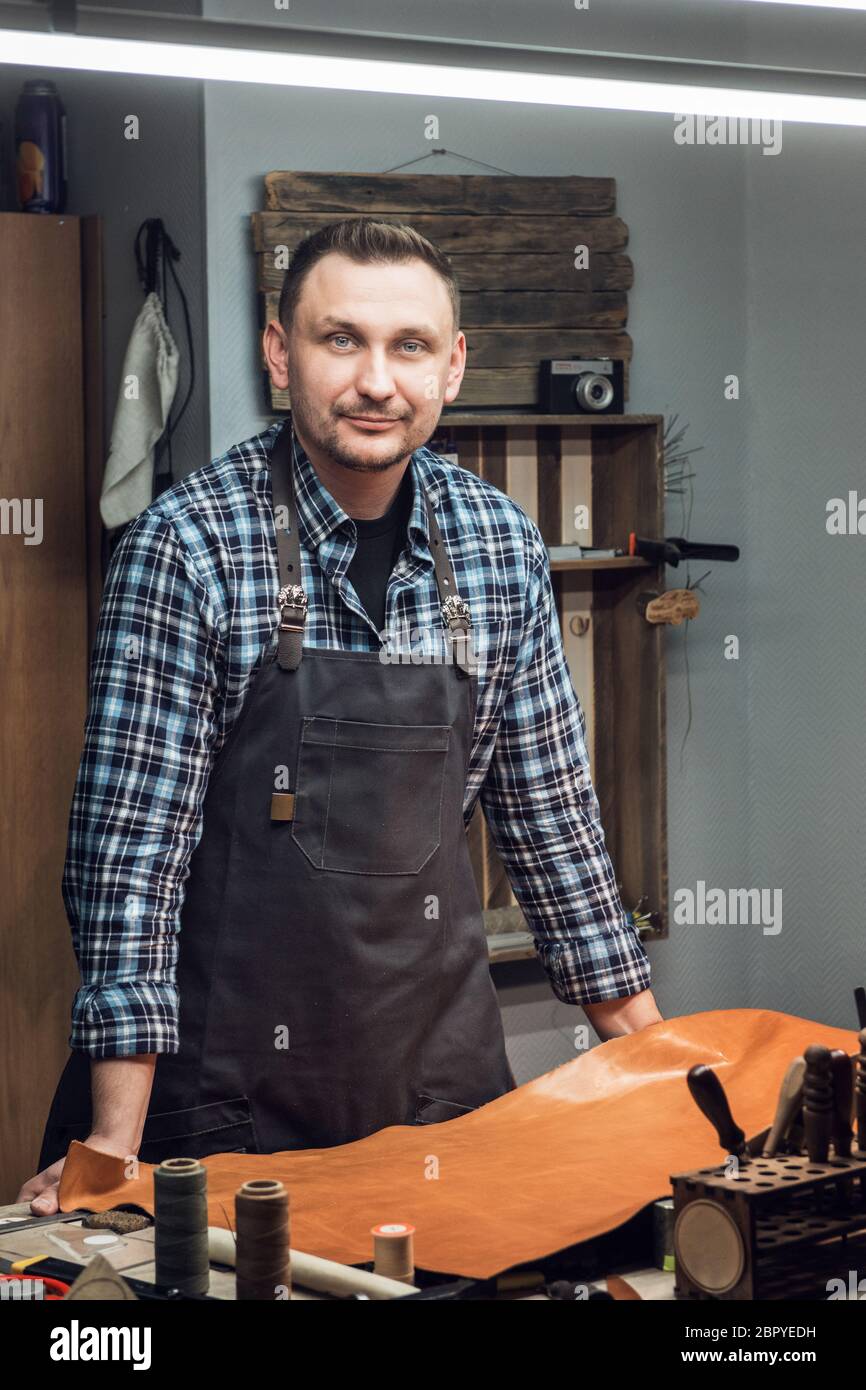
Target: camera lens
{"x": 593, "y": 392}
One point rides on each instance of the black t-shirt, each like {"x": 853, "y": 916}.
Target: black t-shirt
{"x": 380, "y": 541}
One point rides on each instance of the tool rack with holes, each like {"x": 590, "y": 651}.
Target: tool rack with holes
{"x": 780, "y": 1228}
{"x": 784, "y": 1217}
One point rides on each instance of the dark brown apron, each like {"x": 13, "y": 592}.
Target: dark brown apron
{"x": 333, "y": 970}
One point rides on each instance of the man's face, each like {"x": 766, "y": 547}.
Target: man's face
{"x": 372, "y": 357}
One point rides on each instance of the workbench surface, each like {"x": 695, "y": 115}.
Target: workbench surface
{"x": 133, "y": 1255}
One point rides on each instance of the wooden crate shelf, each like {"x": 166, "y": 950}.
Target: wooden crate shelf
{"x": 612, "y": 465}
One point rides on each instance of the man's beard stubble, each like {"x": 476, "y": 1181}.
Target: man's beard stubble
{"x": 323, "y": 432}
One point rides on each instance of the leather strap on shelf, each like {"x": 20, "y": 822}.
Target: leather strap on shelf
{"x": 293, "y": 600}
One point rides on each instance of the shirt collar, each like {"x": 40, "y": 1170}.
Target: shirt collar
{"x": 320, "y": 515}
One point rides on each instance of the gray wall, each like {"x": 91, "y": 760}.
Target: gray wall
{"x": 805, "y": 662}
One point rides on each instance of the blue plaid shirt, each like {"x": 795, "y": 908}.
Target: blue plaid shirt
{"x": 190, "y": 607}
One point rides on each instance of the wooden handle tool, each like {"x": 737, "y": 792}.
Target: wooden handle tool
{"x": 789, "y": 1102}
{"x": 860, "y": 1090}
{"x": 843, "y": 1093}
{"x": 818, "y": 1102}
{"x": 709, "y": 1095}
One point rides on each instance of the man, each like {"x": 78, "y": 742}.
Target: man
{"x": 262, "y": 771}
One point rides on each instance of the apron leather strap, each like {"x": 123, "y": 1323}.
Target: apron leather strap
{"x": 293, "y": 600}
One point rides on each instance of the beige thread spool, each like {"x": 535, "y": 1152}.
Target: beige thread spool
{"x": 262, "y": 1264}
{"x": 180, "y": 1225}
{"x": 393, "y": 1251}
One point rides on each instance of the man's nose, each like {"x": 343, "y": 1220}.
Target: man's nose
{"x": 375, "y": 378}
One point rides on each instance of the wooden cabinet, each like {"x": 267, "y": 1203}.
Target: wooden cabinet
{"x": 589, "y": 481}
{"x": 48, "y": 330}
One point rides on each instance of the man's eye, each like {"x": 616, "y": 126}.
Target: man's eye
{"x": 339, "y": 338}
{"x": 411, "y": 343}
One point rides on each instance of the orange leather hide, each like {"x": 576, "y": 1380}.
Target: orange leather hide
{"x": 572, "y": 1154}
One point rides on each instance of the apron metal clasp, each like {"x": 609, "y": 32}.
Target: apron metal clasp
{"x": 293, "y": 608}
{"x": 455, "y": 612}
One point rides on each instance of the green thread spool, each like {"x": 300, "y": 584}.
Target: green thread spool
{"x": 262, "y": 1262}
{"x": 180, "y": 1235}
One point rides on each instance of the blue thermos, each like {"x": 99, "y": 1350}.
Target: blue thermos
{"x": 40, "y": 148}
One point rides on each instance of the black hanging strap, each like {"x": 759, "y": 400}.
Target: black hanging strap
{"x": 159, "y": 254}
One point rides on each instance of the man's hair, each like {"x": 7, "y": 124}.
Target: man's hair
{"x": 365, "y": 240}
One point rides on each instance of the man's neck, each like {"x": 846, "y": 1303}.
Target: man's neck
{"x": 365, "y": 495}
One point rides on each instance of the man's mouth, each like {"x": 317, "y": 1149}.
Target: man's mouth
{"x": 375, "y": 423}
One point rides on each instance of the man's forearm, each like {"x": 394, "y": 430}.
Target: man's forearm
{"x": 124, "y": 876}
{"x": 121, "y": 1089}
{"x": 615, "y": 1017}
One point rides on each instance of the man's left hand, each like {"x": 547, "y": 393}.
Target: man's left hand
{"x": 615, "y": 1017}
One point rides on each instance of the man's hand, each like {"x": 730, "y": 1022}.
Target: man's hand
{"x": 121, "y": 1088}
{"x": 615, "y": 1017}
{"x": 42, "y": 1191}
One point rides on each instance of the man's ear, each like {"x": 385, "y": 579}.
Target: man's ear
{"x": 456, "y": 368}
{"x": 275, "y": 347}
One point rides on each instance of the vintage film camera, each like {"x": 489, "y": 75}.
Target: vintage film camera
{"x": 581, "y": 385}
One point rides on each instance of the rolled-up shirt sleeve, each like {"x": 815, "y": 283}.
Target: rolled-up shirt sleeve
{"x": 136, "y": 809}
{"x": 543, "y": 816}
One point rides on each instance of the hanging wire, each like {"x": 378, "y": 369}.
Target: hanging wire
{"x": 174, "y": 255}
{"x": 482, "y": 164}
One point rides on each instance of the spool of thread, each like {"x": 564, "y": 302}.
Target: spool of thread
{"x": 393, "y": 1251}
{"x": 180, "y": 1233}
{"x": 262, "y": 1263}
{"x": 663, "y": 1234}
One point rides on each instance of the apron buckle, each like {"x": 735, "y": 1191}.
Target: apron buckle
{"x": 293, "y": 608}
{"x": 455, "y": 611}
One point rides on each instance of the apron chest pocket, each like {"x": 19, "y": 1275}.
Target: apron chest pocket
{"x": 368, "y": 797}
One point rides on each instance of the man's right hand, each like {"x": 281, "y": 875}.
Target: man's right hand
{"x": 42, "y": 1191}
{"x": 121, "y": 1088}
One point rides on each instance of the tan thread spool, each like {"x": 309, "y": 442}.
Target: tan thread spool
{"x": 393, "y": 1251}
{"x": 262, "y": 1264}
{"x": 180, "y": 1225}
